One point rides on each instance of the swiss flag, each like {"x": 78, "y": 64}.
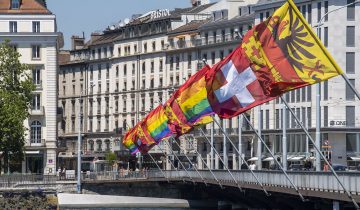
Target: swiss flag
{"x": 233, "y": 87}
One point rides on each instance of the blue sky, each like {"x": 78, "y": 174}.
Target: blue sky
{"x": 77, "y": 16}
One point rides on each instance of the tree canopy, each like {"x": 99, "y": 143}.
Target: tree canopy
{"x": 15, "y": 97}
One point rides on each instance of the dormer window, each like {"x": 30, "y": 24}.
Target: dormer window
{"x": 15, "y": 4}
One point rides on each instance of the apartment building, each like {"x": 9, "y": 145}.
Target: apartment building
{"x": 31, "y": 29}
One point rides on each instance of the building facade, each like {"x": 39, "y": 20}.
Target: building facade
{"x": 31, "y": 29}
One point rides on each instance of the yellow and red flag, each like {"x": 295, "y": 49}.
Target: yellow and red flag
{"x": 285, "y": 53}
{"x": 276, "y": 56}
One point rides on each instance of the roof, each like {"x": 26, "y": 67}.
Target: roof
{"x": 26, "y": 7}
{"x": 64, "y": 57}
{"x": 192, "y": 26}
{"x": 224, "y": 22}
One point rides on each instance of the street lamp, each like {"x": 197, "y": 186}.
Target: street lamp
{"x": 78, "y": 186}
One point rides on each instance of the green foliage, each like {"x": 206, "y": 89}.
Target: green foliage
{"x": 110, "y": 157}
{"x": 15, "y": 97}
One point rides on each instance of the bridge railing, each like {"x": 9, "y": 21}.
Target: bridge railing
{"x": 308, "y": 180}
{"x": 15, "y": 180}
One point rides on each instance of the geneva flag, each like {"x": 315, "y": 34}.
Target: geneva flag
{"x": 276, "y": 56}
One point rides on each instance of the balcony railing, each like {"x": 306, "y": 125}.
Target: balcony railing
{"x": 36, "y": 143}
{"x": 37, "y": 111}
{"x": 38, "y": 84}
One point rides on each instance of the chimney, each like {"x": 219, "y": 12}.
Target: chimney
{"x": 77, "y": 42}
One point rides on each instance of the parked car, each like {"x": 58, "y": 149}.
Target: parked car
{"x": 339, "y": 167}
{"x": 296, "y": 167}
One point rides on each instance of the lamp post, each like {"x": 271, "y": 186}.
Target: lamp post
{"x": 78, "y": 186}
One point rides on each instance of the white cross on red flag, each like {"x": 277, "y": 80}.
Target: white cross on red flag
{"x": 233, "y": 87}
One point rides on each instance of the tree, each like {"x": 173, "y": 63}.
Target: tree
{"x": 110, "y": 157}
{"x": 15, "y": 97}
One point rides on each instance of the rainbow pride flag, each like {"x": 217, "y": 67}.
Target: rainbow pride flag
{"x": 156, "y": 124}
{"x": 130, "y": 139}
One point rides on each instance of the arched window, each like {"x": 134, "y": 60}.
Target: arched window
{"x": 35, "y": 132}
{"x": 91, "y": 145}
{"x": 107, "y": 143}
{"x": 99, "y": 145}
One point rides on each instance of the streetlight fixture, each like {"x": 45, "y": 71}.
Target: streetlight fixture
{"x": 78, "y": 186}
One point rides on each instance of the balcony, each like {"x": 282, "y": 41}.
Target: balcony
{"x": 35, "y": 143}
{"x": 37, "y": 111}
{"x": 38, "y": 84}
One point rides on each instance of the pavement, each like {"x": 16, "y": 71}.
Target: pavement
{"x": 66, "y": 200}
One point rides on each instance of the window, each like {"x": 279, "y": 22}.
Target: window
{"x": 277, "y": 119}
{"x": 36, "y": 76}
{"x": 326, "y": 33}
{"x": 35, "y": 136}
{"x": 189, "y": 61}
{"x": 350, "y": 116}
{"x": 36, "y": 51}
{"x": 350, "y": 95}
{"x": 36, "y": 102}
{"x": 319, "y": 11}
{"x": 309, "y": 9}
{"x": 326, "y": 118}
{"x": 350, "y": 62}
{"x": 12, "y": 26}
{"x": 212, "y": 58}
{"x": 309, "y": 117}
{"x": 351, "y": 10}
{"x": 351, "y": 142}
{"x": 15, "y": 4}
{"x": 161, "y": 65}
{"x": 267, "y": 120}
{"x": 36, "y": 26}
{"x": 99, "y": 145}
{"x": 350, "y": 36}
{"x": 261, "y": 17}
{"x": 99, "y": 53}
{"x": 326, "y": 5}
{"x": 326, "y": 90}
{"x": 261, "y": 119}
{"x": 308, "y": 98}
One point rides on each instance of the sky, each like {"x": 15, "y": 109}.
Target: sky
{"x": 77, "y": 16}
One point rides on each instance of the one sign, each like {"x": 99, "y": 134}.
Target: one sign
{"x": 160, "y": 13}
{"x": 50, "y": 161}
{"x": 337, "y": 123}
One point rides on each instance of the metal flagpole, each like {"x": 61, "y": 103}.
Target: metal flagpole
{"x": 240, "y": 125}
{"x": 224, "y": 145}
{"x": 284, "y": 140}
{"x": 277, "y": 162}
{"x": 216, "y": 152}
{"x": 322, "y": 155}
{"x": 202, "y": 178}
{"x": 259, "y": 163}
{"x": 163, "y": 173}
{"x": 318, "y": 125}
{"x": 202, "y": 159}
{"x": 172, "y": 151}
{"x": 172, "y": 164}
{"x": 212, "y": 144}
{"x": 232, "y": 143}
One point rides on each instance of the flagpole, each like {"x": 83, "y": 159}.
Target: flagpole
{"x": 322, "y": 155}
{"x": 217, "y": 153}
{"x": 163, "y": 173}
{"x": 259, "y": 163}
{"x": 173, "y": 152}
{"x": 202, "y": 178}
{"x": 240, "y": 125}
{"x": 284, "y": 139}
{"x": 224, "y": 144}
{"x": 231, "y": 142}
{"x": 277, "y": 162}
{"x": 202, "y": 159}
{"x": 172, "y": 164}
{"x": 212, "y": 145}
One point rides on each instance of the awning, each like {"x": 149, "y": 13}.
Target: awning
{"x": 354, "y": 158}
{"x": 253, "y": 159}
{"x": 32, "y": 152}
{"x": 269, "y": 159}
{"x": 297, "y": 158}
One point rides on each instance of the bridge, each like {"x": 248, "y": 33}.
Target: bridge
{"x": 314, "y": 186}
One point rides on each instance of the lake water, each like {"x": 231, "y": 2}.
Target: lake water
{"x": 132, "y": 209}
